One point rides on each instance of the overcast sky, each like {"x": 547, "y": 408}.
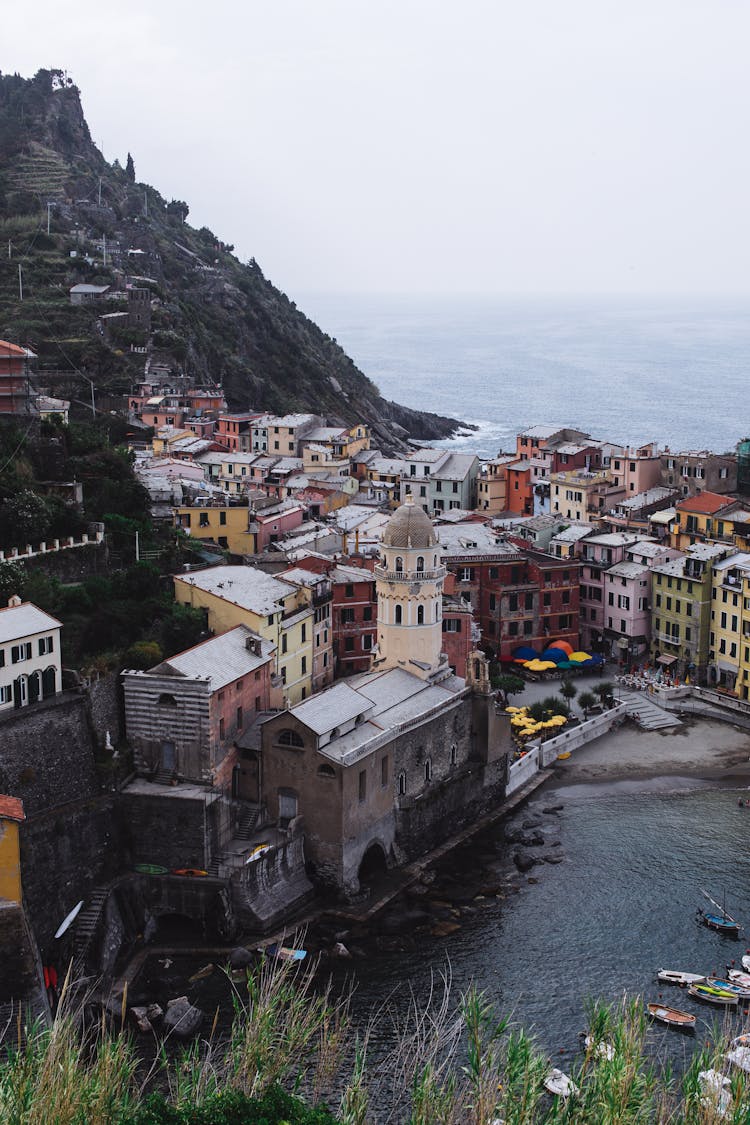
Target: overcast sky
{"x": 495, "y": 146}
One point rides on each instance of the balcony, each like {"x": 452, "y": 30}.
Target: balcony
{"x": 410, "y": 575}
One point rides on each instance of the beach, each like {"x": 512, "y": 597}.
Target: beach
{"x": 705, "y": 749}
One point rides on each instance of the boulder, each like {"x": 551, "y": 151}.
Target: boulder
{"x": 532, "y": 822}
{"x": 340, "y": 950}
{"x": 181, "y": 1018}
{"x": 154, "y": 1012}
{"x": 524, "y": 861}
{"x": 140, "y": 1017}
{"x": 240, "y": 958}
{"x": 553, "y": 808}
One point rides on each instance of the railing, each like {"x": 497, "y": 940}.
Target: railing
{"x": 45, "y": 548}
{"x": 410, "y": 575}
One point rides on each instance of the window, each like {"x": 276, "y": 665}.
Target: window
{"x": 348, "y": 590}
{"x": 2, "y": 657}
{"x": 399, "y": 614}
{"x": 239, "y": 718}
{"x": 420, "y": 564}
{"x": 452, "y": 625}
{"x": 283, "y": 675}
{"x": 203, "y": 522}
{"x": 420, "y": 615}
{"x": 288, "y": 737}
{"x": 362, "y": 785}
{"x": 428, "y": 769}
{"x": 466, "y": 574}
{"x": 401, "y": 784}
{"x": 283, "y": 642}
{"x": 454, "y": 754}
{"x": 221, "y": 728}
{"x": 367, "y": 613}
{"x": 19, "y": 653}
{"x": 304, "y": 665}
{"x": 493, "y": 602}
{"x": 384, "y": 767}
{"x": 6, "y": 694}
{"x": 528, "y": 601}
{"x": 528, "y": 628}
{"x": 222, "y": 518}
{"x": 348, "y": 644}
{"x": 45, "y": 647}
{"x": 547, "y": 600}
{"x": 513, "y": 629}
{"x": 347, "y": 615}
{"x": 399, "y": 563}
{"x": 367, "y": 642}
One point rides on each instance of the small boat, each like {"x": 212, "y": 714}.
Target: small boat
{"x": 673, "y": 976}
{"x": 284, "y": 952}
{"x": 190, "y": 872}
{"x": 559, "y": 1084}
{"x": 257, "y": 852}
{"x": 673, "y": 1017}
{"x": 739, "y": 977}
{"x": 151, "y": 869}
{"x": 741, "y": 1041}
{"x": 564, "y": 755}
{"x": 741, "y": 991}
{"x": 69, "y": 919}
{"x": 722, "y": 922}
{"x": 716, "y": 1091}
{"x": 602, "y": 1049}
{"x": 746, "y": 962}
{"x": 713, "y": 995}
{"x": 201, "y": 974}
{"x": 740, "y": 1057}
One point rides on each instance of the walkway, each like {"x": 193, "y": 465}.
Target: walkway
{"x": 646, "y": 713}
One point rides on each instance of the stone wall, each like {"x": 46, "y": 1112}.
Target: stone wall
{"x": 266, "y": 891}
{"x": 46, "y": 756}
{"x": 448, "y": 807}
{"x": 173, "y": 830}
{"x": 69, "y": 564}
{"x": 104, "y": 696}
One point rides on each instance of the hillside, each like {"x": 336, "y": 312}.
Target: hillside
{"x": 69, "y": 217}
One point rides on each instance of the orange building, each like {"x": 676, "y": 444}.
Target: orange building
{"x": 16, "y": 394}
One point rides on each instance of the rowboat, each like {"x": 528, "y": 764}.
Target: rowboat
{"x": 739, "y": 1057}
{"x": 722, "y": 922}
{"x": 713, "y": 995}
{"x": 746, "y": 962}
{"x": 559, "y": 1084}
{"x": 673, "y": 976}
{"x": 716, "y": 1091}
{"x": 284, "y": 952}
{"x": 737, "y": 989}
{"x": 673, "y": 1017}
{"x": 738, "y": 977}
{"x": 190, "y": 872}
{"x": 257, "y": 852}
{"x": 150, "y": 869}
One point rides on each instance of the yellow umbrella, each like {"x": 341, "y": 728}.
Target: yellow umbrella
{"x": 578, "y": 657}
{"x": 512, "y": 710}
{"x": 544, "y": 665}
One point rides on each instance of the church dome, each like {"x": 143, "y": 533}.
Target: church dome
{"x": 409, "y": 527}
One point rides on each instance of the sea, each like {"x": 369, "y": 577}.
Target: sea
{"x": 624, "y": 370}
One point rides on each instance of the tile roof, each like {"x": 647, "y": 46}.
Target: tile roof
{"x": 329, "y": 709}
{"x": 11, "y": 808}
{"x": 221, "y": 659}
{"x": 705, "y": 503}
{"x": 243, "y": 586}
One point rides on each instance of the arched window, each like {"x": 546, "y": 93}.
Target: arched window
{"x": 454, "y": 754}
{"x": 49, "y": 681}
{"x": 399, "y": 614}
{"x": 420, "y": 564}
{"x": 401, "y": 784}
{"x": 428, "y": 769}
{"x": 326, "y": 771}
{"x": 434, "y": 562}
{"x": 35, "y": 686}
{"x": 289, "y": 737}
{"x": 420, "y": 615}
{"x": 399, "y": 563}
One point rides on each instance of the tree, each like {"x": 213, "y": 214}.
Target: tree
{"x": 12, "y": 581}
{"x": 508, "y": 684}
{"x": 130, "y": 169}
{"x": 568, "y": 692}
{"x": 605, "y": 691}
{"x": 586, "y": 700}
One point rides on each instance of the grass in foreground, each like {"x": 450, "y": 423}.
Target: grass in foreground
{"x": 292, "y": 1058}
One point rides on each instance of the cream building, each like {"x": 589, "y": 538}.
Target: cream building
{"x": 409, "y": 583}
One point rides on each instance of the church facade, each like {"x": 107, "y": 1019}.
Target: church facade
{"x": 383, "y": 767}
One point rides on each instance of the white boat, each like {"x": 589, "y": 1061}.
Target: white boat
{"x": 738, "y": 977}
{"x": 603, "y": 1049}
{"x": 559, "y": 1084}
{"x": 716, "y": 1091}
{"x": 674, "y": 976}
{"x": 68, "y": 920}
{"x": 740, "y": 1057}
{"x": 746, "y": 962}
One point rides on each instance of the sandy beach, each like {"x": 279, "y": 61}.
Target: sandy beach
{"x": 699, "y": 748}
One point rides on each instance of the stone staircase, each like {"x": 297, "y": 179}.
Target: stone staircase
{"x": 85, "y": 927}
{"x": 163, "y": 777}
{"x": 248, "y": 822}
{"x": 646, "y": 713}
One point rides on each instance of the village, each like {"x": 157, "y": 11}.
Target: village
{"x": 368, "y": 617}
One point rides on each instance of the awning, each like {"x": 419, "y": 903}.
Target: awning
{"x": 666, "y": 660}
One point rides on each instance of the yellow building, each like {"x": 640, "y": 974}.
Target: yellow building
{"x": 11, "y": 815}
{"x": 279, "y": 611}
{"x": 166, "y": 437}
{"x": 729, "y": 638}
{"x": 225, "y": 526}
{"x": 492, "y": 485}
{"x": 704, "y": 517}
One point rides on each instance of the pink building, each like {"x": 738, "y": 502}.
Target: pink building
{"x": 626, "y": 612}
{"x": 598, "y": 553}
{"x": 270, "y": 524}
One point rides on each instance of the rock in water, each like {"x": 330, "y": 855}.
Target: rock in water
{"x": 182, "y": 1019}
{"x": 240, "y": 958}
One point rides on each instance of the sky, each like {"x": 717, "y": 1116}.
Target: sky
{"x": 420, "y": 146}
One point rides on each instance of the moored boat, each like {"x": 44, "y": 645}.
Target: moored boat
{"x": 602, "y": 1049}
{"x": 674, "y": 976}
{"x": 746, "y": 962}
{"x": 721, "y": 921}
{"x": 284, "y": 952}
{"x": 740, "y": 1057}
{"x": 712, "y": 995}
{"x": 739, "y": 977}
{"x": 716, "y": 1091}
{"x": 673, "y": 1017}
{"x": 741, "y": 991}
{"x": 560, "y": 1084}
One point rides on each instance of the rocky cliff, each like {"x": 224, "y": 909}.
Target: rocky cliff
{"x": 71, "y": 217}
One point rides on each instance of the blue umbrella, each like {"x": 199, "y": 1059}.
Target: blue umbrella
{"x": 555, "y": 654}
{"x": 524, "y": 653}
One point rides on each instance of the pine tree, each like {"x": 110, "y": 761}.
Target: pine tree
{"x": 130, "y": 169}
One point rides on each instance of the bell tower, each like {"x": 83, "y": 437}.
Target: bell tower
{"x": 409, "y": 580}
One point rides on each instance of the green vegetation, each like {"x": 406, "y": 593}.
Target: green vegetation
{"x": 586, "y": 700}
{"x": 293, "y": 1058}
{"x": 507, "y": 684}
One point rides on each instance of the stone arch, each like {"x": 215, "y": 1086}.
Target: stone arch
{"x": 420, "y": 563}
{"x": 49, "y": 681}
{"x": 399, "y": 563}
{"x": 374, "y": 863}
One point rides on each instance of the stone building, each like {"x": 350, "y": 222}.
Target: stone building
{"x": 386, "y": 765}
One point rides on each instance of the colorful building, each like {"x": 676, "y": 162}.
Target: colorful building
{"x": 11, "y": 817}
{"x": 730, "y": 624}
{"x": 17, "y": 394}
{"x": 681, "y": 598}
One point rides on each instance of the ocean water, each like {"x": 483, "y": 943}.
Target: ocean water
{"x": 623, "y": 370}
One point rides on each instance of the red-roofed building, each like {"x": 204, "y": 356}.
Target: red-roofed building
{"x": 16, "y": 393}
{"x": 11, "y": 808}
{"x": 11, "y": 815}
{"x": 700, "y": 518}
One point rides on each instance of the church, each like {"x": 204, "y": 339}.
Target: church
{"x": 384, "y": 766}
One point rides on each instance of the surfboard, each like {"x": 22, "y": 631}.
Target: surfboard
{"x": 68, "y": 920}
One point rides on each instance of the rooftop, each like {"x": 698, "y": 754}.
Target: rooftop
{"x": 220, "y": 659}
{"x": 24, "y": 620}
{"x": 243, "y": 586}
{"x": 409, "y": 527}
{"x": 643, "y": 499}
{"x": 705, "y": 503}
{"x": 11, "y": 808}
{"x": 628, "y": 570}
